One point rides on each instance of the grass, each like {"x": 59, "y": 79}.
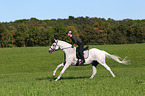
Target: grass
{"x": 28, "y": 71}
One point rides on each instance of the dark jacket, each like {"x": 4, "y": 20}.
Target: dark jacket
{"x": 76, "y": 40}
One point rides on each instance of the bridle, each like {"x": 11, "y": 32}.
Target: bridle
{"x": 59, "y": 47}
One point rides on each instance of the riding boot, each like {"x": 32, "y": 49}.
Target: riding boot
{"x": 77, "y": 63}
{"x": 83, "y": 60}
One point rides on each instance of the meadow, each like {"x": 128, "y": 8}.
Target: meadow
{"x": 27, "y": 71}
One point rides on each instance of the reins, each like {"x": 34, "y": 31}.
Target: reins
{"x": 64, "y": 48}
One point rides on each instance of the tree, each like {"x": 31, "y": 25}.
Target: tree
{"x": 89, "y": 35}
{"x": 139, "y": 34}
{"x": 34, "y": 36}
{"x": 131, "y": 35}
{"x": 21, "y": 35}
{"x": 2, "y": 30}
{"x": 50, "y": 36}
{"x": 3, "y": 36}
{"x": 34, "y": 32}
{"x": 47, "y": 37}
{"x": 118, "y": 37}
{"x": 71, "y": 18}
{"x": 59, "y": 32}
{"x": 110, "y": 36}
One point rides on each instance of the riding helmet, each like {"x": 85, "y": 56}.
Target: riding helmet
{"x": 69, "y": 32}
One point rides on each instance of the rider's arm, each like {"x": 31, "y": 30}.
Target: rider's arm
{"x": 74, "y": 39}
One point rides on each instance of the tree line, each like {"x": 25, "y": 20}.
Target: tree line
{"x": 34, "y": 32}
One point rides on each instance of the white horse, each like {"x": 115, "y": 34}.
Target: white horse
{"x": 95, "y": 57}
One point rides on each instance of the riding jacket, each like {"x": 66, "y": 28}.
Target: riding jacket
{"x": 76, "y": 40}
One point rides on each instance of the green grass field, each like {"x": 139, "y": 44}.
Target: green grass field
{"x": 28, "y": 72}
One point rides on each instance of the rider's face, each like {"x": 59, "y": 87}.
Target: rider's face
{"x": 68, "y": 34}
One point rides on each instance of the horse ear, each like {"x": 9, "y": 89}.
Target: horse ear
{"x": 55, "y": 40}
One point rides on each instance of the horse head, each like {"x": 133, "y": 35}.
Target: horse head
{"x": 54, "y": 46}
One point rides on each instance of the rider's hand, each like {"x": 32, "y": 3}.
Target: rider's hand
{"x": 72, "y": 46}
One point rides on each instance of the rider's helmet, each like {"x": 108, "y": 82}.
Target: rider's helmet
{"x": 69, "y": 32}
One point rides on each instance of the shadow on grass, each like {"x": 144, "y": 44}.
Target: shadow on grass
{"x": 53, "y": 78}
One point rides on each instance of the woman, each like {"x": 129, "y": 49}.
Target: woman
{"x": 80, "y": 44}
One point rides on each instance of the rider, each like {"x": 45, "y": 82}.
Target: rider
{"x": 80, "y": 44}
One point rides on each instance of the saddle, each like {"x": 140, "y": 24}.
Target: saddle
{"x": 84, "y": 51}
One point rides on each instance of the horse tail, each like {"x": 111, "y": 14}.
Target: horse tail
{"x": 116, "y": 58}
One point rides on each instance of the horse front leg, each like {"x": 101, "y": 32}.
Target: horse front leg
{"x": 60, "y": 65}
{"x": 62, "y": 71}
{"x": 94, "y": 72}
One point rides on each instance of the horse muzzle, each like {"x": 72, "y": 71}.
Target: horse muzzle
{"x": 50, "y": 51}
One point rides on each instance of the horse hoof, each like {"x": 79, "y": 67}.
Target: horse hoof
{"x": 91, "y": 77}
{"x": 53, "y": 75}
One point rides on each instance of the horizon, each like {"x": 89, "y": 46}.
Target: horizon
{"x": 68, "y": 18}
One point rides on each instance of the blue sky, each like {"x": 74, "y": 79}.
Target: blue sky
{"x": 11, "y": 10}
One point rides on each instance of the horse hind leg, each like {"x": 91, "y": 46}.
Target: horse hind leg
{"x": 108, "y": 68}
{"x": 94, "y": 64}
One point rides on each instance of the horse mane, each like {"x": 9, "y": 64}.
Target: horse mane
{"x": 65, "y": 43}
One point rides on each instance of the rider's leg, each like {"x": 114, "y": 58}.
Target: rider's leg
{"x": 81, "y": 46}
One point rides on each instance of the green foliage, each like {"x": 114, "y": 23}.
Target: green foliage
{"x": 59, "y": 32}
{"x": 34, "y": 36}
{"x": 34, "y": 32}
{"x": 27, "y": 71}
{"x": 21, "y": 35}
